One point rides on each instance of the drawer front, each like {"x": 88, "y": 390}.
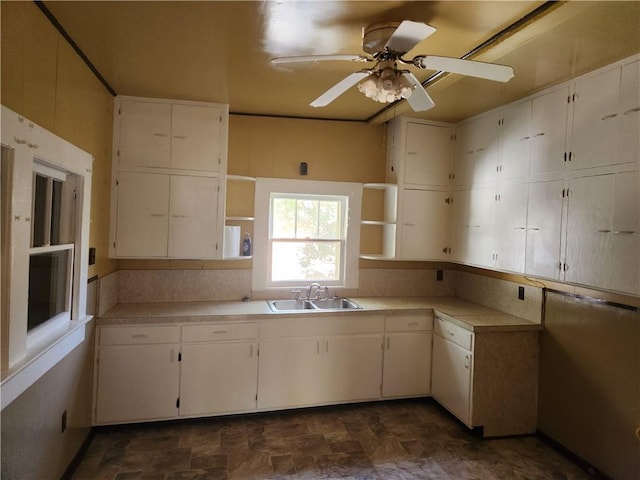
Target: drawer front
{"x": 408, "y": 323}
{"x": 139, "y": 335}
{"x": 219, "y": 331}
{"x": 311, "y": 325}
{"x": 454, "y": 333}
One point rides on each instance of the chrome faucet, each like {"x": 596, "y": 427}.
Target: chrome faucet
{"x": 310, "y": 289}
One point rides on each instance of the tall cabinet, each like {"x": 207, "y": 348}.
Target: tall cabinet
{"x": 169, "y": 165}
{"x": 416, "y": 221}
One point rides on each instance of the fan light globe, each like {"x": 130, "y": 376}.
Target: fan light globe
{"x": 386, "y": 86}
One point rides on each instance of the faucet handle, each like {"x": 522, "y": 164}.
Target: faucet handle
{"x": 297, "y": 294}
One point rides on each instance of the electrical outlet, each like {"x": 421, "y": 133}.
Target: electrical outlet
{"x": 63, "y": 422}
{"x": 439, "y": 275}
{"x": 520, "y": 293}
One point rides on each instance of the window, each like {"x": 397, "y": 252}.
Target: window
{"x": 306, "y": 231}
{"x": 52, "y": 250}
{"x": 307, "y": 237}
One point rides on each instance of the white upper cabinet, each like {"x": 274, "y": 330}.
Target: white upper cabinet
{"x": 195, "y": 138}
{"x": 630, "y": 113}
{"x": 605, "y": 118}
{"x": 427, "y": 155}
{"x": 165, "y": 135}
{"x": 510, "y": 224}
{"x": 544, "y": 227}
{"x": 549, "y": 115}
{"x": 144, "y": 134}
{"x": 515, "y": 129}
{"x": 477, "y": 150}
{"x": 169, "y": 163}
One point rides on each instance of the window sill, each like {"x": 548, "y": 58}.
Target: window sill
{"x": 40, "y": 359}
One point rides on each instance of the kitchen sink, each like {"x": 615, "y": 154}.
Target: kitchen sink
{"x": 329, "y": 304}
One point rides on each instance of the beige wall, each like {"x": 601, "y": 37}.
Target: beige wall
{"x": 44, "y": 80}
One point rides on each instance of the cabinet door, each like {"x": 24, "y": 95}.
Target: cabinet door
{"x": 428, "y": 154}
{"x": 290, "y": 372}
{"x": 544, "y": 223}
{"x": 407, "y": 364}
{"x": 137, "y": 382}
{"x": 193, "y": 217}
{"x": 486, "y": 146}
{"x": 510, "y": 227}
{"x": 451, "y": 378}
{"x": 595, "y": 120}
{"x": 424, "y": 225}
{"x": 218, "y": 378}
{"x": 195, "y": 139}
{"x": 352, "y": 368}
{"x": 549, "y": 114}
{"x": 460, "y": 225}
{"x": 142, "y": 216}
{"x": 145, "y": 134}
{"x": 480, "y": 237}
{"x": 516, "y": 142}
{"x": 629, "y": 135}
{"x": 464, "y": 156}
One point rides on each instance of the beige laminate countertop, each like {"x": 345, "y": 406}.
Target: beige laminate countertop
{"x": 466, "y": 314}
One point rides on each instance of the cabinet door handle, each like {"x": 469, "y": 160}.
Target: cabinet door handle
{"x": 466, "y": 362}
{"x": 179, "y": 216}
{"x": 610, "y": 116}
{"x": 219, "y": 332}
{"x": 409, "y": 224}
{"x": 139, "y": 335}
{"x": 624, "y": 232}
{"x": 158, "y": 215}
{"x": 538, "y": 134}
{"x": 326, "y": 346}
{"x": 181, "y": 137}
{"x": 449, "y": 332}
{"x": 160, "y": 135}
{"x": 632, "y": 110}
{"x": 519, "y": 228}
{"x": 20, "y": 141}
{"x": 524, "y": 138}
{"x": 534, "y": 228}
{"x": 602, "y": 231}
{"x": 388, "y": 343}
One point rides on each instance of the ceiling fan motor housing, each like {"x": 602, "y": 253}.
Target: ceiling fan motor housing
{"x": 375, "y": 37}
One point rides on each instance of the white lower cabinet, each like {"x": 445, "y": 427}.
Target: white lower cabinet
{"x": 314, "y": 361}
{"x": 218, "y": 368}
{"x": 407, "y": 356}
{"x": 452, "y": 377}
{"x": 137, "y": 374}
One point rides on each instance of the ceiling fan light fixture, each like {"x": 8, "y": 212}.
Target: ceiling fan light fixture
{"x": 386, "y": 86}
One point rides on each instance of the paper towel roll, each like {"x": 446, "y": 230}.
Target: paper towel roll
{"x": 231, "y": 242}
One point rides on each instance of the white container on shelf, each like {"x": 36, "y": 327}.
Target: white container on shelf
{"x": 231, "y": 241}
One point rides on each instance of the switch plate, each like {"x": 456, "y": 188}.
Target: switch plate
{"x": 520, "y": 293}
{"x": 63, "y": 422}
{"x": 439, "y": 275}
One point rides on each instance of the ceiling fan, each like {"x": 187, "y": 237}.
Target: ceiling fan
{"x": 385, "y": 45}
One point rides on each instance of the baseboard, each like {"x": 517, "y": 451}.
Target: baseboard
{"x": 71, "y": 468}
{"x": 577, "y": 459}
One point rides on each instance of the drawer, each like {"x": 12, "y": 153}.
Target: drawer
{"x": 139, "y": 335}
{"x": 454, "y": 333}
{"x": 408, "y": 323}
{"x": 219, "y": 331}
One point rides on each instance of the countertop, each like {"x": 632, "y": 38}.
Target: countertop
{"x": 468, "y": 315}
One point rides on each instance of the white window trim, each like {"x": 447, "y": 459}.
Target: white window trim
{"x": 33, "y": 148}
{"x": 264, "y": 188}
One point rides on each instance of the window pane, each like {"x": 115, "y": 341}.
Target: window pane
{"x": 305, "y": 261}
{"x": 47, "y": 286}
{"x": 329, "y": 223}
{"x": 56, "y": 202}
{"x": 39, "y": 211}
{"x": 284, "y": 218}
{"x": 307, "y": 211}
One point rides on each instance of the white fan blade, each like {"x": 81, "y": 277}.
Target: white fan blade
{"x": 419, "y": 99}
{"x": 408, "y": 35}
{"x": 321, "y": 58}
{"x": 490, "y": 71}
{"x": 339, "y": 88}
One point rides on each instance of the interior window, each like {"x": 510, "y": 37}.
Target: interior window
{"x": 52, "y": 248}
{"x": 307, "y": 237}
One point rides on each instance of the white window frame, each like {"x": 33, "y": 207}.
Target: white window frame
{"x": 265, "y": 187}
{"x": 28, "y": 148}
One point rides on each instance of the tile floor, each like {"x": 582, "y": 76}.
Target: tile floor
{"x": 412, "y": 439}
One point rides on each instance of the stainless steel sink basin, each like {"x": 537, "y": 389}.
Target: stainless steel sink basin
{"x": 329, "y": 304}
{"x": 336, "y": 304}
